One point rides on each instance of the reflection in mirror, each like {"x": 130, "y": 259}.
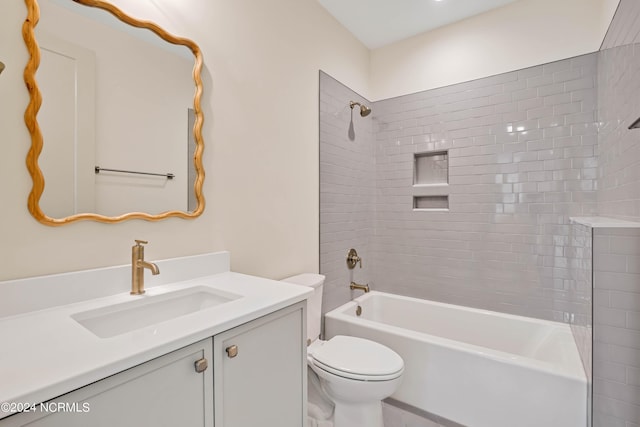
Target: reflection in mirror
{"x": 114, "y": 96}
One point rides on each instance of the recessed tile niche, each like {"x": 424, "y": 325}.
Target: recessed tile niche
{"x": 431, "y": 181}
{"x": 431, "y": 202}
{"x": 431, "y": 168}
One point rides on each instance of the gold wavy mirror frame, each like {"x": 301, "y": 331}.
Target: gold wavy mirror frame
{"x": 28, "y": 32}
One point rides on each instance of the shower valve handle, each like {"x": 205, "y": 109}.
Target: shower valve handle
{"x": 353, "y": 259}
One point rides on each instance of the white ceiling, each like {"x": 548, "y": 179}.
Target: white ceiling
{"x": 377, "y": 23}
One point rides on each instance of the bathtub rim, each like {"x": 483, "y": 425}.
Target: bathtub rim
{"x": 575, "y": 373}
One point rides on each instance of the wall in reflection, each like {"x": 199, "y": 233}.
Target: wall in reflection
{"x": 115, "y": 97}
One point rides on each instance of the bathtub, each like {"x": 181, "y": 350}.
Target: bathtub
{"x": 475, "y": 367}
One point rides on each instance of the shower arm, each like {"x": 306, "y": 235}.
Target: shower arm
{"x": 364, "y": 110}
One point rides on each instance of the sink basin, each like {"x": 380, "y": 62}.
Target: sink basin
{"x": 149, "y": 310}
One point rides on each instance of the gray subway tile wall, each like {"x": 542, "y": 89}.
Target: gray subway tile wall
{"x": 347, "y": 190}
{"x": 616, "y": 327}
{"x": 521, "y": 150}
{"x": 625, "y": 26}
{"x": 618, "y": 147}
{"x": 521, "y": 161}
{"x": 616, "y": 292}
{"x": 526, "y": 150}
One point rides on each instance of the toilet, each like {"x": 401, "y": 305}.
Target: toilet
{"x": 356, "y": 374}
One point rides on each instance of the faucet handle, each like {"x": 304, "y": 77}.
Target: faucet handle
{"x": 140, "y": 242}
{"x": 353, "y": 259}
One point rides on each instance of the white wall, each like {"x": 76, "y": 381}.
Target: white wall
{"x": 516, "y": 36}
{"x": 261, "y": 137}
{"x": 261, "y": 121}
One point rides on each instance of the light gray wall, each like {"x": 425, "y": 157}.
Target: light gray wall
{"x": 625, "y": 26}
{"x": 347, "y": 190}
{"x": 616, "y": 299}
{"x": 619, "y": 148}
{"x": 616, "y": 328}
{"x": 521, "y": 161}
{"x": 506, "y": 243}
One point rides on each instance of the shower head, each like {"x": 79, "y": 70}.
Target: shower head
{"x": 1, "y": 67}
{"x": 364, "y": 110}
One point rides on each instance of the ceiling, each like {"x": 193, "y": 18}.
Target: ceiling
{"x": 377, "y": 23}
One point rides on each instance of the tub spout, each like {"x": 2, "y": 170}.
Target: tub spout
{"x": 355, "y": 286}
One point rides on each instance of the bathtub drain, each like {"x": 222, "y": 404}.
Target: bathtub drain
{"x": 358, "y": 311}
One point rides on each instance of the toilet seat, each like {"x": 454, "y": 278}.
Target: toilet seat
{"x": 356, "y": 358}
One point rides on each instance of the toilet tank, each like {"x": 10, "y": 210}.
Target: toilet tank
{"x": 314, "y": 302}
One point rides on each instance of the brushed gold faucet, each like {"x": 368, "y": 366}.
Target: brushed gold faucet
{"x": 138, "y": 264}
{"x": 355, "y": 285}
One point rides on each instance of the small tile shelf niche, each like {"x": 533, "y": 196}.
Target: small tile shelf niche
{"x": 431, "y": 181}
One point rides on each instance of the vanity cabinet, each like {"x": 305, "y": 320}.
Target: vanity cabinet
{"x": 260, "y": 372}
{"x": 256, "y": 376}
{"x": 164, "y": 392}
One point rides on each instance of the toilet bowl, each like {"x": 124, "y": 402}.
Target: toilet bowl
{"x": 356, "y": 374}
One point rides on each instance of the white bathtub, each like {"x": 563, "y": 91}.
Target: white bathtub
{"x": 475, "y": 367}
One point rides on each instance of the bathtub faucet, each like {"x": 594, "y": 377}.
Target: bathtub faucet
{"x": 355, "y": 286}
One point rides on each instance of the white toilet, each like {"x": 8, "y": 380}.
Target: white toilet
{"x": 355, "y": 373}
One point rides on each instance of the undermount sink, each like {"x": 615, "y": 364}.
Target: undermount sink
{"x": 149, "y": 310}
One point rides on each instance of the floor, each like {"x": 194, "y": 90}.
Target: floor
{"x": 395, "y": 416}
{"x": 392, "y": 417}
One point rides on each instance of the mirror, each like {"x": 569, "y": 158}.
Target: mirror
{"x": 114, "y": 116}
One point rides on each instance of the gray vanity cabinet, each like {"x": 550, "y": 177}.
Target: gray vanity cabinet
{"x": 260, "y": 372}
{"x": 164, "y": 392}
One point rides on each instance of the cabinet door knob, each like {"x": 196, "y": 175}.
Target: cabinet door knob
{"x": 201, "y": 365}
{"x": 232, "y": 351}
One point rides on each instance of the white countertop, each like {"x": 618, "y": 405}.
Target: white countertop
{"x": 46, "y": 353}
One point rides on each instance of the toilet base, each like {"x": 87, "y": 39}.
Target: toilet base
{"x": 364, "y": 414}
{"x": 357, "y": 400}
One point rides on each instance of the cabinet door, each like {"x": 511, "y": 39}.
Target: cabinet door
{"x": 164, "y": 392}
{"x": 260, "y": 372}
